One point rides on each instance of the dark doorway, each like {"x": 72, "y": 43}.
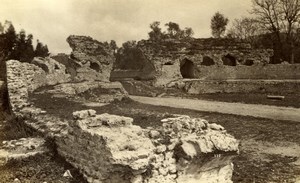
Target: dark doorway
{"x": 249, "y": 62}
{"x": 207, "y": 61}
{"x": 187, "y": 69}
{"x": 95, "y": 67}
{"x": 229, "y": 60}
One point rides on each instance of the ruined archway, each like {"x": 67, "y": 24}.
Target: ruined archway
{"x": 229, "y": 60}
{"x": 187, "y": 69}
{"x": 207, "y": 61}
{"x": 95, "y": 66}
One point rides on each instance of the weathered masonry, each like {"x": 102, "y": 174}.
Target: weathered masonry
{"x": 195, "y": 58}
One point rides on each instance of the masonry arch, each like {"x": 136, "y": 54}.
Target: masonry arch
{"x": 229, "y": 60}
{"x": 207, "y": 61}
{"x": 187, "y": 69}
{"x": 95, "y": 66}
{"x": 249, "y": 62}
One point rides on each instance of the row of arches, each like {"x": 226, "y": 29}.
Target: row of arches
{"x": 228, "y": 60}
{"x": 187, "y": 67}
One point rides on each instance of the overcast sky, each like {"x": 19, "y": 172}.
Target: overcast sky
{"x": 52, "y": 21}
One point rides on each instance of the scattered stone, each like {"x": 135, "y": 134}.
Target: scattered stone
{"x": 154, "y": 134}
{"x": 67, "y": 174}
{"x": 215, "y": 126}
{"x": 16, "y": 180}
{"x": 161, "y": 149}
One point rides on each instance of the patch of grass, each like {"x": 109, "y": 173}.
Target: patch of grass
{"x": 40, "y": 168}
{"x": 277, "y": 169}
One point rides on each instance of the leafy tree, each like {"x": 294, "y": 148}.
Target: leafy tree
{"x": 9, "y": 40}
{"x": 155, "y": 34}
{"x": 218, "y": 25}
{"x": 188, "y": 32}
{"x": 173, "y": 31}
{"x": 113, "y": 45}
{"x": 41, "y": 50}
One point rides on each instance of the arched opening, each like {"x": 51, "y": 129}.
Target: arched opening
{"x": 187, "y": 69}
{"x": 95, "y": 67}
{"x": 168, "y": 63}
{"x": 207, "y": 61}
{"x": 229, "y": 60}
{"x": 56, "y": 67}
{"x": 249, "y": 62}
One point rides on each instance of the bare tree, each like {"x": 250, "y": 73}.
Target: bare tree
{"x": 245, "y": 29}
{"x": 279, "y": 16}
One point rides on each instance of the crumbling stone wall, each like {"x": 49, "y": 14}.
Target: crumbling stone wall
{"x": 263, "y": 72}
{"x": 169, "y": 57}
{"x": 93, "y": 59}
{"x": 108, "y": 148}
{"x": 242, "y": 86}
{"x": 25, "y": 77}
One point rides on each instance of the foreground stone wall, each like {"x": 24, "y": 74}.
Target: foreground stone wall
{"x": 108, "y": 148}
{"x": 23, "y": 78}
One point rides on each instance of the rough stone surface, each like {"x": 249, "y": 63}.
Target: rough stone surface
{"x": 109, "y": 148}
{"x": 170, "y": 60}
{"x": 21, "y": 148}
{"x": 55, "y": 71}
{"x": 94, "y": 59}
{"x": 242, "y": 86}
{"x": 106, "y": 147}
{"x": 93, "y": 91}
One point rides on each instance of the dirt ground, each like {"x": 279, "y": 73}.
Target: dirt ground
{"x": 47, "y": 167}
{"x": 139, "y": 88}
{"x": 263, "y": 111}
{"x": 269, "y": 150}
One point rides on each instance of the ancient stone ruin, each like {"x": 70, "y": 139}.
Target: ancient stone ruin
{"x": 109, "y": 148}
{"x": 93, "y": 59}
{"x": 208, "y": 66}
{"x": 174, "y": 59}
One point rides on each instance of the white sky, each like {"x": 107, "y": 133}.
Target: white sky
{"x": 52, "y": 21}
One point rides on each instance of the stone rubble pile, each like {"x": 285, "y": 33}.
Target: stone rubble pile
{"x": 108, "y": 148}
{"x": 93, "y": 91}
{"x": 182, "y": 139}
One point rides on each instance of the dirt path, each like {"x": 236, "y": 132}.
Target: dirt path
{"x": 264, "y": 111}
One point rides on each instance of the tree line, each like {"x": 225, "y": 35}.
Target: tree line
{"x": 18, "y": 46}
{"x": 274, "y": 24}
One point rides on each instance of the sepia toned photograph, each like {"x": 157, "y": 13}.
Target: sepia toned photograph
{"x": 149, "y": 91}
